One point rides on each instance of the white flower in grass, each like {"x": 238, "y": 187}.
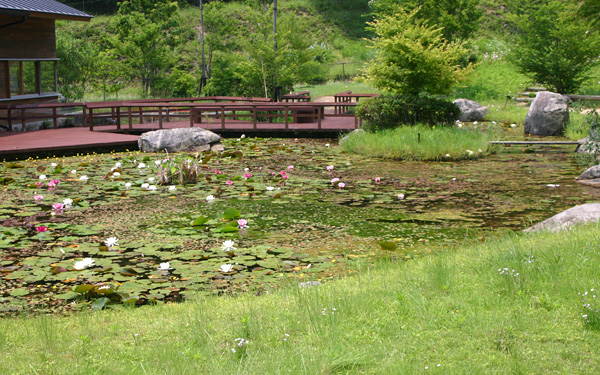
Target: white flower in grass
{"x": 83, "y": 264}
{"x": 164, "y": 266}
{"x": 228, "y": 246}
{"x": 111, "y": 241}
{"x": 226, "y": 268}
{"x": 172, "y": 188}
{"x": 127, "y": 185}
{"x": 210, "y": 198}
{"x": 141, "y": 165}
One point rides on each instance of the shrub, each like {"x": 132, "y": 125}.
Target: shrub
{"x": 386, "y": 112}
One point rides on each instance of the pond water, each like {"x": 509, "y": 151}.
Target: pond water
{"x": 301, "y": 226}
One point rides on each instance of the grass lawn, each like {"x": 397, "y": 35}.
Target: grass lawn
{"x": 504, "y": 306}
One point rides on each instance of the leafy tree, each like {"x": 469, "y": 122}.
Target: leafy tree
{"x": 413, "y": 57}
{"x": 590, "y": 9}
{"x": 459, "y": 19}
{"x": 76, "y": 66}
{"x": 553, "y": 45}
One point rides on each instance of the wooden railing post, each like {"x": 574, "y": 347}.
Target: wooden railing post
{"x": 319, "y": 110}
{"x": 191, "y": 117}
{"x": 130, "y": 113}
{"x": 118, "y": 118}
{"x": 222, "y": 117}
{"x": 160, "y": 119}
{"x": 9, "y": 113}
{"x": 84, "y": 118}
{"x": 23, "y": 123}
{"x": 168, "y": 114}
{"x": 286, "y": 115}
{"x": 141, "y": 115}
{"x": 254, "y": 116}
{"x": 91, "y": 118}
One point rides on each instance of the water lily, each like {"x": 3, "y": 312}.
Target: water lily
{"x": 151, "y": 179}
{"x": 247, "y": 175}
{"x": 172, "y": 188}
{"x": 218, "y": 171}
{"x": 38, "y": 197}
{"x": 116, "y": 174}
{"x": 228, "y": 245}
{"x": 400, "y": 196}
{"x": 55, "y": 182}
{"x": 334, "y": 180}
{"x": 39, "y": 184}
{"x": 341, "y": 185}
{"x": 242, "y": 223}
{"x": 330, "y": 167}
{"x": 58, "y": 206}
{"x": 53, "y": 164}
{"x": 41, "y": 228}
{"x": 118, "y": 165}
{"x": 51, "y": 185}
{"x": 141, "y": 165}
{"x": 127, "y": 185}
{"x": 327, "y": 145}
{"x": 243, "y": 136}
{"x": 229, "y": 183}
{"x": 111, "y": 241}
{"x": 270, "y": 188}
{"x": 164, "y": 266}
{"x": 83, "y": 178}
{"x": 210, "y": 198}
{"x": 152, "y": 187}
{"x": 43, "y": 177}
{"x": 145, "y": 185}
{"x": 157, "y": 162}
{"x": 225, "y": 268}
{"x": 290, "y": 167}
{"x": 377, "y": 180}
{"x": 68, "y": 202}
{"x": 83, "y": 264}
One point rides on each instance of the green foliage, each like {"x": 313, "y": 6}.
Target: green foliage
{"x": 413, "y": 57}
{"x": 553, "y": 45}
{"x": 458, "y": 19}
{"x": 419, "y": 142}
{"x": 76, "y": 67}
{"x": 391, "y": 111}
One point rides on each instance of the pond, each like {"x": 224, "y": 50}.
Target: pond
{"x": 263, "y": 214}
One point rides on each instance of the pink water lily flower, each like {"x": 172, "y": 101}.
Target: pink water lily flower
{"x": 218, "y": 171}
{"x": 242, "y": 223}
{"x": 229, "y": 183}
{"x": 334, "y": 180}
{"x": 55, "y": 182}
{"x": 38, "y": 197}
{"x": 58, "y": 206}
{"x": 290, "y": 167}
{"x": 330, "y": 167}
{"x": 400, "y": 196}
{"x": 39, "y": 184}
{"x": 341, "y": 185}
{"x": 247, "y": 175}
{"x": 41, "y": 228}
{"x": 377, "y": 180}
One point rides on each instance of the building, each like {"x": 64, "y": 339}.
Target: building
{"x": 28, "y": 49}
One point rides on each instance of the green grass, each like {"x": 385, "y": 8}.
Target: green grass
{"x": 454, "y": 309}
{"x": 505, "y": 112}
{"x": 420, "y": 143}
{"x": 330, "y": 88}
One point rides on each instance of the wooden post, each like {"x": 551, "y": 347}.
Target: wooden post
{"x": 9, "y": 113}
{"x": 91, "y": 119}
{"x": 286, "y": 116}
{"x": 160, "y": 124}
{"x": 130, "y": 113}
{"x": 254, "y": 116}
{"x": 141, "y": 115}
{"x": 223, "y": 117}
{"x": 319, "y": 110}
{"x": 54, "y": 119}
{"x": 191, "y": 117}
{"x": 168, "y": 115}
{"x": 23, "y": 124}
{"x": 84, "y": 118}
{"x": 118, "y": 118}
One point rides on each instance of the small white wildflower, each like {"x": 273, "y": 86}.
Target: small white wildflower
{"x": 157, "y": 162}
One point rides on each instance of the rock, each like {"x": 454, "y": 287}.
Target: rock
{"x": 355, "y": 132}
{"x": 471, "y": 111}
{"x": 178, "y": 140}
{"x": 590, "y": 173}
{"x": 585, "y": 213}
{"x": 547, "y": 115}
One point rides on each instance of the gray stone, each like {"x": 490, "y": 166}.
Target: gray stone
{"x": 471, "y": 111}
{"x": 179, "y": 140}
{"x": 547, "y": 115}
{"x": 590, "y": 173}
{"x": 355, "y": 132}
{"x": 584, "y": 213}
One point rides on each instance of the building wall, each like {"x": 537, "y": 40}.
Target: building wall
{"x": 4, "y": 83}
{"x": 33, "y": 39}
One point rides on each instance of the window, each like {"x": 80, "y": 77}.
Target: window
{"x": 31, "y": 77}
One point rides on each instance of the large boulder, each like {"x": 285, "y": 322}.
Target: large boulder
{"x": 178, "y": 140}
{"x": 584, "y": 213}
{"x": 471, "y": 111}
{"x": 547, "y": 115}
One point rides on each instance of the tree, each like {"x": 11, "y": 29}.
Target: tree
{"x": 413, "y": 57}
{"x": 553, "y": 46}
{"x": 76, "y": 67}
{"x": 459, "y": 19}
{"x": 590, "y": 9}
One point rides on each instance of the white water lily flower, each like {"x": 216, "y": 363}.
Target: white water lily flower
{"x": 127, "y": 185}
{"x": 83, "y": 264}
{"x": 111, "y": 241}
{"x": 226, "y": 268}
{"x": 145, "y": 186}
{"x": 210, "y": 198}
{"x": 84, "y": 178}
{"x": 270, "y": 188}
{"x": 118, "y": 165}
{"x": 228, "y": 245}
{"x": 73, "y": 171}
{"x": 53, "y": 164}
{"x": 68, "y": 202}
{"x": 152, "y": 187}
{"x": 151, "y": 179}
{"x": 115, "y": 174}
{"x": 141, "y": 165}
{"x": 172, "y": 188}
{"x": 157, "y": 162}
{"x": 165, "y": 266}
{"x": 43, "y": 177}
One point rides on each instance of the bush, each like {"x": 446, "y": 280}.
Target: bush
{"x": 387, "y": 112}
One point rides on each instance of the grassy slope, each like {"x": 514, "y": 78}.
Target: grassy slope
{"x": 453, "y": 309}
